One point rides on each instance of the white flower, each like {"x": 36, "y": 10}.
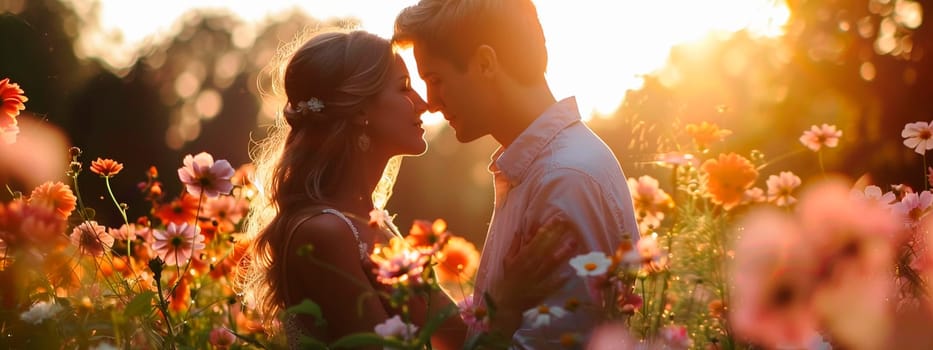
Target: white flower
{"x": 396, "y": 328}
{"x": 592, "y": 264}
{"x": 312, "y": 104}
{"x": 542, "y": 315}
{"x": 40, "y": 311}
{"x": 918, "y": 136}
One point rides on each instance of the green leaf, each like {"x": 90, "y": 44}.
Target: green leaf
{"x": 363, "y": 339}
{"x": 140, "y": 305}
{"x": 308, "y": 307}
{"x": 308, "y": 343}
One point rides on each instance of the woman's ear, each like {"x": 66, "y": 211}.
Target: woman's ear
{"x": 485, "y": 60}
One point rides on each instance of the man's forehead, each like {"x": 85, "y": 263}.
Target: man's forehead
{"x": 426, "y": 60}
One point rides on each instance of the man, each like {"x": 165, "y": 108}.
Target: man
{"x": 484, "y": 65}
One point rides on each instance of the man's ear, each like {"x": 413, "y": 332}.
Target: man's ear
{"x": 486, "y": 61}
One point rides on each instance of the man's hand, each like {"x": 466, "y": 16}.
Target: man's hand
{"x": 529, "y": 272}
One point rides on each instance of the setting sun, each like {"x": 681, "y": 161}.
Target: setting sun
{"x": 597, "y": 50}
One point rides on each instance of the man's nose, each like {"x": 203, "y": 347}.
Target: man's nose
{"x": 434, "y": 103}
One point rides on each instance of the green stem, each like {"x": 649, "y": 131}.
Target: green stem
{"x": 163, "y": 306}
{"x": 188, "y": 263}
{"x": 81, "y": 206}
{"x": 780, "y": 157}
{"x": 926, "y": 183}
{"x": 129, "y": 252}
{"x": 819, "y": 155}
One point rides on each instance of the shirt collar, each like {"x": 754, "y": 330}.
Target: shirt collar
{"x": 513, "y": 161}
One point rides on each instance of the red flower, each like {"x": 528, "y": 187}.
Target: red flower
{"x": 12, "y": 101}
{"x": 180, "y": 210}
{"x": 106, "y": 167}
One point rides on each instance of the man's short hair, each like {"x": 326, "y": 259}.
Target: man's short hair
{"x": 453, "y": 29}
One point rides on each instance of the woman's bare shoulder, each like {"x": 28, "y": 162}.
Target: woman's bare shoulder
{"x": 323, "y": 231}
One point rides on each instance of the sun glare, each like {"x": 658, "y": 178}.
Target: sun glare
{"x": 597, "y": 49}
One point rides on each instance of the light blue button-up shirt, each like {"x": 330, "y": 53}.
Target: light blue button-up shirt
{"x": 557, "y": 166}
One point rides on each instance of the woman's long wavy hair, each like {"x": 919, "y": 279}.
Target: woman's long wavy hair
{"x": 307, "y": 152}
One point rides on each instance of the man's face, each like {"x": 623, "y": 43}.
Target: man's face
{"x": 461, "y": 95}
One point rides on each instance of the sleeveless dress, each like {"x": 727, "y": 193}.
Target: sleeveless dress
{"x": 293, "y": 328}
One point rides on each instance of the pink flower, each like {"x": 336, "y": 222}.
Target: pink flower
{"x": 125, "y": 232}
{"x": 781, "y": 188}
{"x": 222, "y": 338}
{"x": 913, "y": 207}
{"x": 91, "y": 238}
{"x": 398, "y": 263}
{"x": 397, "y": 329}
{"x": 676, "y": 337}
{"x": 672, "y": 159}
{"x": 918, "y": 136}
{"x": 227, "y": 211}
{"x": 855, "y": 244}
{"x": 753, "y": 195}
{"x": 177, "y": 243}
{"x": 650, "y": 202}
{"x": 612, "y": 336}
{"x": 820, "y": 136}
{"x": 873, "y": 194}
{"x": 772, "y": 277}
{"x": 202, "y": 174}
{"x": 474, "y": 316}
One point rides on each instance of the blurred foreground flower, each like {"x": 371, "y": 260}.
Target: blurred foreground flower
{"x": 827, "y": 267}
{"x": 40, "y": 154}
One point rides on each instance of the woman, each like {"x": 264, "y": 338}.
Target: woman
{"x": 350, "y": 112}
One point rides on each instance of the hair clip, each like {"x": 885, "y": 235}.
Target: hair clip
{"x": 313, "y": 104}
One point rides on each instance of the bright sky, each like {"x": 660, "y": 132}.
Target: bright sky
{"x": 597, "y": 48}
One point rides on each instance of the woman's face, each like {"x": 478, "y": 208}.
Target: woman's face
{"x": 394, "y": 115}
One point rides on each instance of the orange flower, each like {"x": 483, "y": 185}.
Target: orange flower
{"x": 706, "y": 134}
{"x": 728, "y": 177}
{"x": 12, "y": 101}
{"x": 242, "y": 180}
{"x": 181, "y": 296}
{"x": 106, "y": 167}
{"x": 56, "y": 196}
{"x": 457, "y": 261}
{"x": 427, "y": 237}
{"x": 180, "y": 210}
